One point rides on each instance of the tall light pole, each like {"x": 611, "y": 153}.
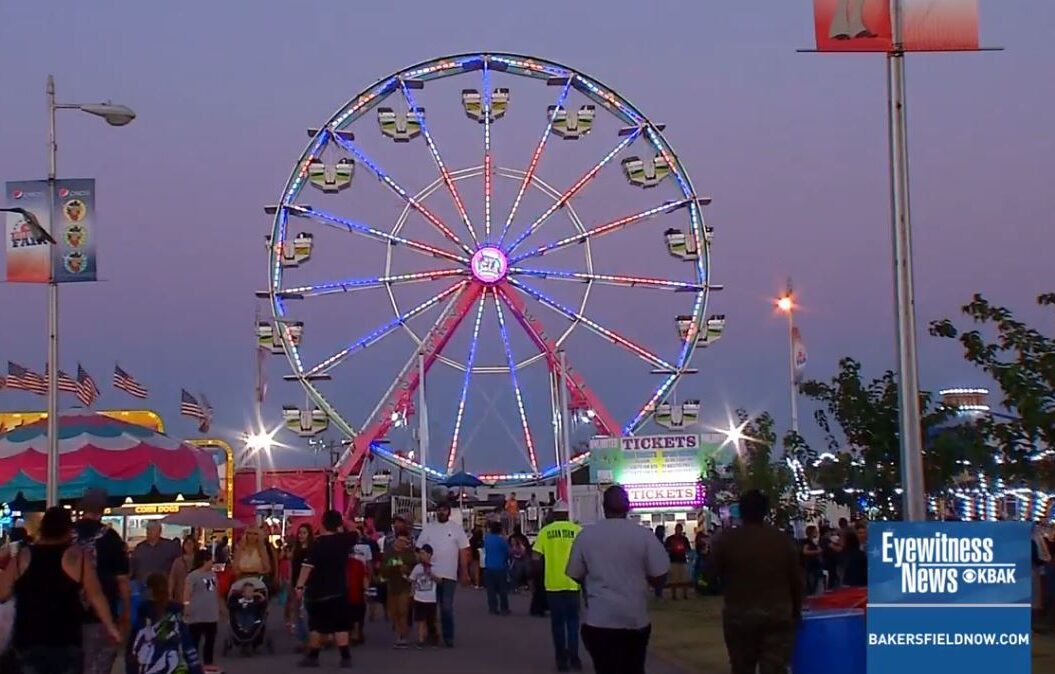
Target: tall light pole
{"x": 910, "y": 430}
{"x": 565, "y": 415}
{"x": 786, "y": 304}
{"x": 423, "y": 440}
{"x": 115, "y": 115}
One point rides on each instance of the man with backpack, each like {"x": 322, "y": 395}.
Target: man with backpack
{"x": 106, "y": 551}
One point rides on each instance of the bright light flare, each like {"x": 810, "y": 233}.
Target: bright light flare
{"x": 261, "y": 441}
{"x": 786, "y": 304}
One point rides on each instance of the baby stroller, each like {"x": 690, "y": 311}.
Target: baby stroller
{"x": 247, "y": 604}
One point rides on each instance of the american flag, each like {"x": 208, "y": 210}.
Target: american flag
{"x": 22, "y": 379}
{"x": 125, "y": 382}
{"x": 190, "y": 407}
{"x": 87, "y": 391}
{"x": 67, "y": 384}
{"x": 206, "y": 419}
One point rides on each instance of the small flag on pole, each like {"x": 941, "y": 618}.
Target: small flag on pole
{"x": 800, "y": 353}
{"x": 19, "y": 378}
{"x": 190, "y": 407}
{"x": 206, "y": 419}
{"x": 67, "y": 384}
{"x": 87, "y": 391}
{"x": 125, "y": 382}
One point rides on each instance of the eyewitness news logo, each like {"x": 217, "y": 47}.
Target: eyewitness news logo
{"x": 935, "y": 589}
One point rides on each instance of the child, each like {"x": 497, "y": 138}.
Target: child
{"x": 424, "y": 594}
{"x": 160, "y": 639}
{"x": 202, "y": 606}
{"x": 357, "y": 580}
{"x": 395, "y": 569}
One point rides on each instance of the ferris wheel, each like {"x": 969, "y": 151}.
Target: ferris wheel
{"x": 455, "y": 194}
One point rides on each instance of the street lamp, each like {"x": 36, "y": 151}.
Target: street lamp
{"x": 786, "y": 304}
{"x": 260, "y": 443}
{"x": 115, "y": 115}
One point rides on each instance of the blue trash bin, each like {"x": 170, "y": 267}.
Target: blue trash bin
{"x": 831, "y": 641}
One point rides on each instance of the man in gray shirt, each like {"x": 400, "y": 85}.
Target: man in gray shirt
{"x": 154, "y": 555}
{"x": 616, "y": 561}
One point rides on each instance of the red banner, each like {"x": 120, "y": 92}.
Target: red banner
{"x": 308, "y": 484}
{"x": 865, "y": 25}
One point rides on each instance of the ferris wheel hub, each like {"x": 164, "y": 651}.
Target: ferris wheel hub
{"x": 489, "y": 265}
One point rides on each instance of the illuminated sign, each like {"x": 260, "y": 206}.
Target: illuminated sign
{"x": 655, "y": 459}
{"x": 489, "y": 265}
{"x": 670, "y": 495}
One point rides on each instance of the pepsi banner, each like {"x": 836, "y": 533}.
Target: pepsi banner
{"x": 73, "y": 256}
{"x": 949, "y": 596}
{"x": 865, "y": 25}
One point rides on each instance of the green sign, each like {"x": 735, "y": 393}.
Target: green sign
{"x": 656, "y": 459}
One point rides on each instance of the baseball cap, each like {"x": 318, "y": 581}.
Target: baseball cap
{"x": 94, "y": 500}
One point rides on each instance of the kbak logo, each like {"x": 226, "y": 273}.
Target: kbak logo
{"x": 942, "y": 564}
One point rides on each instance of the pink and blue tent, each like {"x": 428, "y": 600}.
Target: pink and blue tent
{"x": 98, "y": 451}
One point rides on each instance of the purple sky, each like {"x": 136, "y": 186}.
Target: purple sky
{"x": 792, "y": 147}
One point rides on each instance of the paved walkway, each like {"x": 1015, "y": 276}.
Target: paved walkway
{"x": 516, "y": 644}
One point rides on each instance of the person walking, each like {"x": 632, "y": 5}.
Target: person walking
{"x": 763, "y": 588}
{"x": 47, "y": 580}
{"x": 182, "y": 567}
{"x": 108, "y": 553}
{"x": 615, "y": 560}
{"x": 202, "y": 606}
{"x": 251, "y": 556}
{"x": 295, "y": 615}
{"x": 554, "y": 543}
{"x": 322, "y": 586}
{"x": 496, "y": 570}
{"x": 424, "y": 580}
{"x": 154, "y": 555}
{"x": 450, "y": 563}
{"x": 677, "y": 545}
{"x": 396, "y": 565}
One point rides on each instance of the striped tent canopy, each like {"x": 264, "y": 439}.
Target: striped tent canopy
{"x": 99, "y": 451}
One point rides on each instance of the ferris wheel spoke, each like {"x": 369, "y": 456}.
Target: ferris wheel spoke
{"x": 535, "y": 159}
{"x": 601, "y": 230}
{"x": 595, "y": 327}
{"x": 353, "y": 284}
{"x": 610, "y": 279}
{"x": 576, "y": 188}
{"x": 452, "y": 456}
{"x": 347, "y": 225}
{"x": 351, "y": 148}
{"x": 447, "y": 180}
{"x": 516, "y": 385}
{"x": 382, "y": 332}
{"x": 487, "y": 149}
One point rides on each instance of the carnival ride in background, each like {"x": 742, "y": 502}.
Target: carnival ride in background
{"x": 485, "y": 260}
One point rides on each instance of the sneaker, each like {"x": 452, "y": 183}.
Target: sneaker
{"x": 448, "y": 644}
{"x": 420, "y": 646}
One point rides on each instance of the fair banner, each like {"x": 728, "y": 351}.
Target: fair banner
{"x": 74, "y": 255}
{"x": 865, "y": 25}
{"x": 27, "y": 255}
{"x": 949, "y": 596}
{"x": 30, "y": 259}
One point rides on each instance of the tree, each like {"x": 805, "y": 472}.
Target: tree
{"x": 1021, "y": 360}
{"x": 755, "y": 468}
{"x": 863, "y": 457}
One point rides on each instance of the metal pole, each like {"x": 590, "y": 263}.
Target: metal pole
{"x": 423, "y": 440}
{"x": 791, "y": 370}
{"x": 914, "y": 506}
{"x": 566, "y": 433}
{"x": 554, "y": 403}
{"x": 52, "y": 486}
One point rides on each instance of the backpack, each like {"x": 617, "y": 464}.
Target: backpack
{"x": 160, "y": 647}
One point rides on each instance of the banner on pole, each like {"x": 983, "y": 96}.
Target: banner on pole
{"x": 26, "y": 252}
{"x": 73, "y": 257}
{"x": 865, "y": 25}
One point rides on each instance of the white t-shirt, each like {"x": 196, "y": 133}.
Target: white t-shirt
{"x": 424, "y": 584}
{"x": 447, "y": 540}
{"x": 615, "y": 557}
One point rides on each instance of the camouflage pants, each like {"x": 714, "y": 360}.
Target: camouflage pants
{"x": 758, "y": 644}
{"x": 99, "y": 651}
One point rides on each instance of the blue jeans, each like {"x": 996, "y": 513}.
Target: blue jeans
{"x": 564, "y": 621}
{"x": 497, "y": 583}
{"x": 445, "y": 597}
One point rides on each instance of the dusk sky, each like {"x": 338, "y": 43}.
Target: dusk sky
{"x": 791, "y": 147}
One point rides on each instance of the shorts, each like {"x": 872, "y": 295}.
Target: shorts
{"x": 424, "y": 612}
{"x": 356, "y": 613}
{"x": 399, "y": 608}
{"x": 679, "y": 574}
{"x": 328, "y": 616}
